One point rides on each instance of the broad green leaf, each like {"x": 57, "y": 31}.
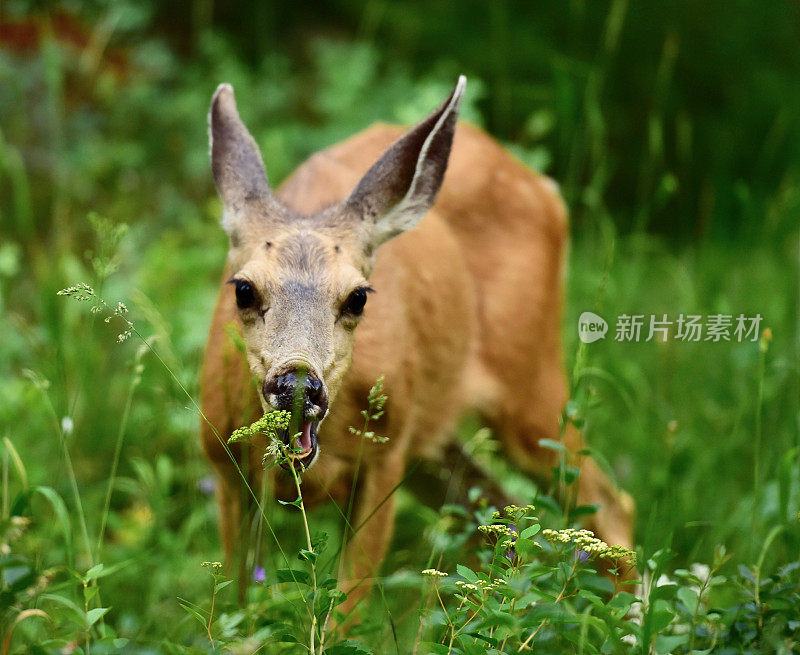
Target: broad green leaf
{"x": 472, "y": 649}
{"x": 660, "y": 619}
{"x": 93, "y": 573}
{"x": 666, "y": 644}
{"x": 591, "y": 597}
{"x": 194, "y": 613}
{"x": 327, "y": 581}
{"x": 468, "y": 574}
{"x": 93, "y": 616}
{"x": 622, "y": 601}
{"x": 75, "y": 613}
{"x": 293, "y": 575}
{"x": 493, "y": 618}
{"x": 688, "y": 597}
{"x": 526, "y": 547}
{"x": 348, "y": 647}
{"x": 530, "y": 531}
{"x": 308, "y": 555}
{"x": 434, "y": 649}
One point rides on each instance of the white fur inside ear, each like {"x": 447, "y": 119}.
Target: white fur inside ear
{"x": 403, "y": 217}
{"x": 412, "y": 208}
{"x": 227, "y": 222}
{"x": 419, "y": 171}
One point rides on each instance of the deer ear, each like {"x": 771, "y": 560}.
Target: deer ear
{"x": 402, "y": 185}
{"x": 235, "y": 160}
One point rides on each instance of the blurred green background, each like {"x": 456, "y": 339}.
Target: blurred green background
{"x": 672, "y": 128}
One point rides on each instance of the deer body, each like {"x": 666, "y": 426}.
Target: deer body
{"x": 466, "y": 315}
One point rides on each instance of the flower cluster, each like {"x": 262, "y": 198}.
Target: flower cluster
{"x": 212, "y": 567}
{"x": 82, "y": 292}
{"x": 515, "y": 512}
{"x": 368, "y": 434}
{"x": 433, "y": 573}
{"x": 480, "y": 587}
{"x": 376, "y": 400}
{"x": 466, "y": 586}
{"x": 268, "y": 424}
{"x": 496, "y": 530}
{"x": 584, "y": 540}
{"x": 619, "y": 554}
{"x": 580, "y": 538}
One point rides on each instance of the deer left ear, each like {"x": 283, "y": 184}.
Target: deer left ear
{"x": 402, "y": 185}
{"x": 235, "y": 159}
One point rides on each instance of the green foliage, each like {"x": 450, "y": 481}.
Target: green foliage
{"x": 654, "y": 119}
{"x": 553, "y": 600}
{"x": 679, "y": 421}
{"x": 532, "y": 589}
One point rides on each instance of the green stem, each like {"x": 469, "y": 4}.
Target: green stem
{"x": 72, "y": 480}
{"x": 351, "y": 499}
{"x": 211, "y": 612}
{"x": 449, "y": 622}
{"x": 313, "y": 630}
{"x": 561, "y": 594}
{"x": 763, "y": 347}
{"x": 115, "y": 461}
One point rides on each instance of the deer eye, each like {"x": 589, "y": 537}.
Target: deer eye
{"x": 245, "y": 296}
{"x": 354, "y": 305}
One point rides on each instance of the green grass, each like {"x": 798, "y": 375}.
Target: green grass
{"x": 703, "y": 435}
{"x": 677, "y": 423}
{"x": 681, "y": 419}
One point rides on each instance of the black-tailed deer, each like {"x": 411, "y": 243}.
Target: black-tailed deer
{"x": 466, "y": 314}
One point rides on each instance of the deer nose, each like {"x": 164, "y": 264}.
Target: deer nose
{"x": 315, "y": 392}
{"x": 285, "y": 392}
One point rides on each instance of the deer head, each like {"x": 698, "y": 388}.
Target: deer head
{"x": 302, "y": 282}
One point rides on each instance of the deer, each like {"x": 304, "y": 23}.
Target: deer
{"x": 429, "y": 257}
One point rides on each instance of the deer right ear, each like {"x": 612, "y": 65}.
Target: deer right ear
{"x": 235, "y": 160}
{"x": 401, "y": 186}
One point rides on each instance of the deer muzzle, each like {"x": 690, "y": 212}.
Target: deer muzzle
{"x": 303, "y": 395}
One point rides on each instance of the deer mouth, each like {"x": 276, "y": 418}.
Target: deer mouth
{"x": 303, "y": 447}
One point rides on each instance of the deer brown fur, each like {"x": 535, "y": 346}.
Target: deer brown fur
{"x": 466, "y": 313}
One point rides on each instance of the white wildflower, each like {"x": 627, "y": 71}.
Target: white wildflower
{"x": 433, "y": 573}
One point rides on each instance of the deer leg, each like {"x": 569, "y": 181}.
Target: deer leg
{"x": 373, "y": 523}
{"x": 229, "y": 498}
{"x": 613, "y": 522}
{"x": 235, "y": 519}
